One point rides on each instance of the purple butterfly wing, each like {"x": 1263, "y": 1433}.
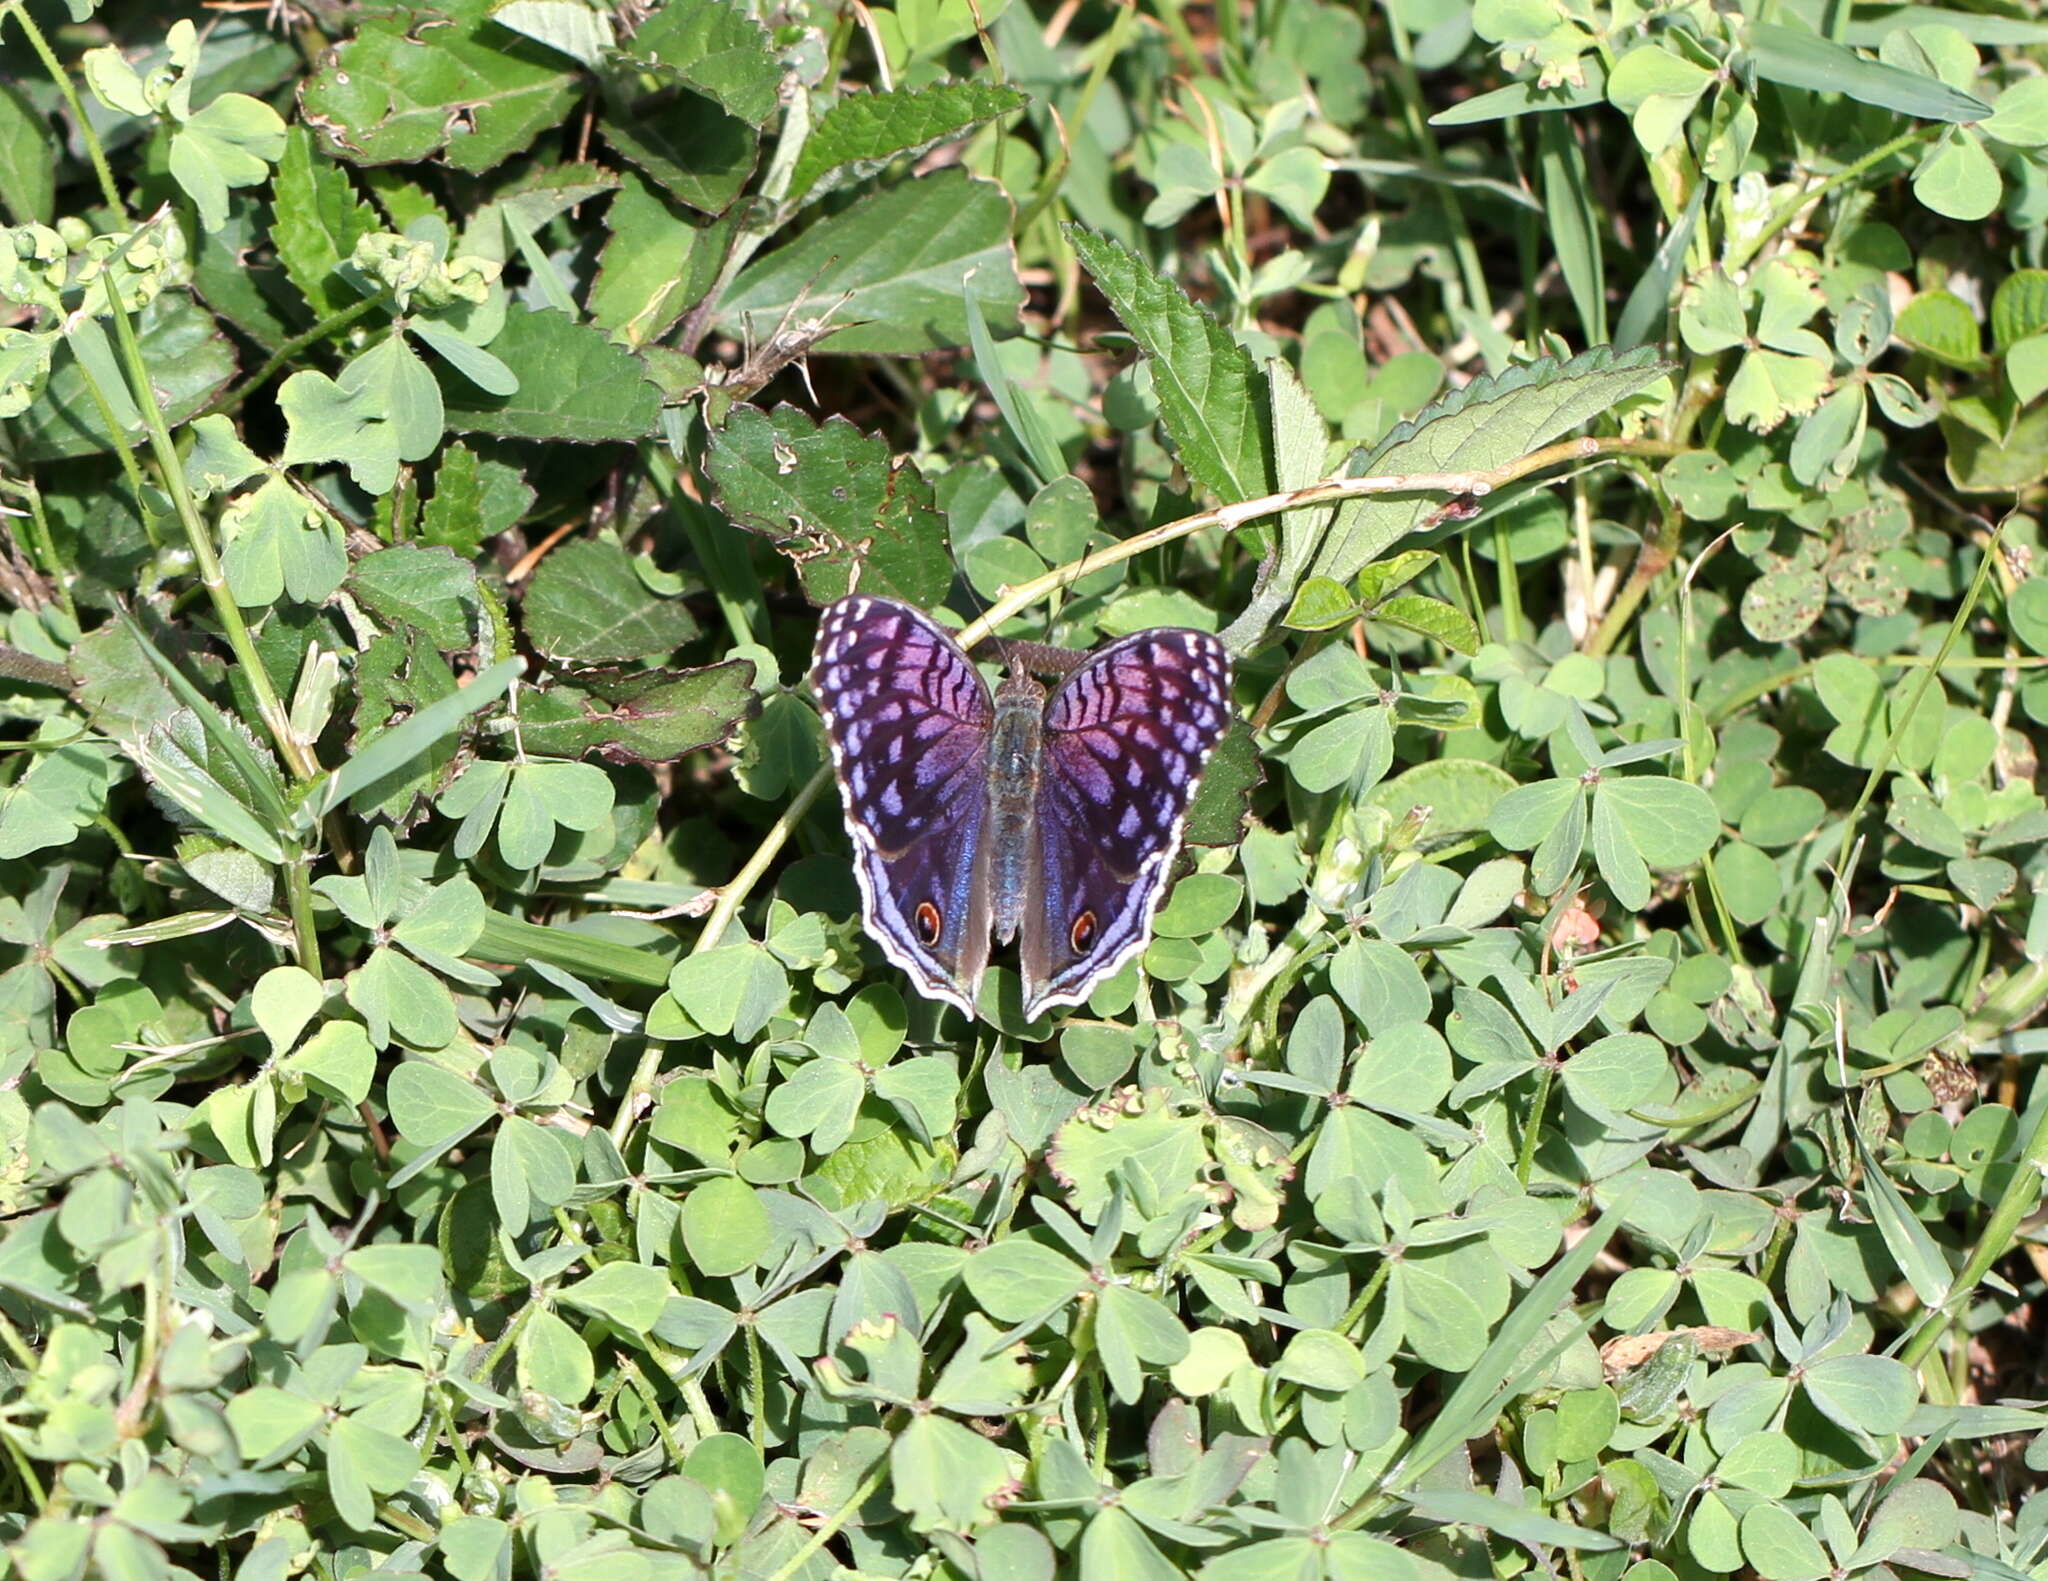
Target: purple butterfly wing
{"x": 1127, "y": 737}
{"x": 908, "y": 716}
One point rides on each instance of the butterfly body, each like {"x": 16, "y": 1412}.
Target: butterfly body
{"x": 1016, "y": 761}
{"x": 1049, "y": 818}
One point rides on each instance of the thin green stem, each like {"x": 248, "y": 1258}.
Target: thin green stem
{"x": 505, "y": 1342}
{"x": 1106, "y": 49}
{"x": 405, "y": 1521}
{"x": 1471, "y": 273}
{"x": 444, "y": 1411}
{"x": 298, "y": 890}
{"x": 124, "y": 452}
{"x": 27, "y": 1473}
{"x": 1355, "y": 1313}
{"x": 43, "y": 547}
{"x": 1731, "y": 936}
{"x": 24, "y": 1353}
{"x": 833, "y": 1524}
{"x": 2022, "y": 1191}
{"x": 79, "y": 121}
{"x": 702, "y": 1417}
{"x": 1737, "y": 701}
{"x": 734, "y": 895}
{"x": 1478, "y": 484}
{"x": 1652, "y": 560}
{"x": 1789, "y": 210}
{"x": 1229, "y": 31}
{"x": 643, "y": 1386}
{"x": 330, "y": 326}
{"x": 757, "y": 1392}
{"x": 1183, "y": 38}
{"x": 1532, "y": 1129}
{"x": 1098, "y": 1456}
{"x": 171, "y": 465}
{"x": 1510, "y": 580}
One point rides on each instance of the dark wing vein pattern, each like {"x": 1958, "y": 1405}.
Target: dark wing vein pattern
{"x": 1127, "y": 737}
{"x": 908, "y": 717}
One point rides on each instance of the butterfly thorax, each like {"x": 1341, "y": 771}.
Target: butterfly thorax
{"x": 1015, "y": 758}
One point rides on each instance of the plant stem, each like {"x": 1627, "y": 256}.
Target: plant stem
{"x": 124, "y": 452}
{"x": 2021, "y": 1192}
{"x": 1792, "y": 207}
{"x": 794, "y": 1565}
{"x": 1106, "y": 49}
{"x": 757, "y": 1390}
{"x": 62, "y": 79}
{"x": 505, "y": 1342}
{"x": 1408, "y": 86}
{"x": 298, "y": 890}
{"x": 1532, "y": 1129}
{"x": 1651, "y": 561}
{"x": 1355, "y": 1313}
{"x": 1509, "y": 578}
{"x": 644, "y": 1388}
{"x": 43, "y": 547}
{"x": 1231, "y": 517}
{"x": 733, "y": 895}
{"x": 275, "y": 718}
{"x": 730, "y": 899}
{"x": 326, "y": 329}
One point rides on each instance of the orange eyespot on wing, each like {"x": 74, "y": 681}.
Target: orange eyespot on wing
{"x": 1084, "y": 932}
{"x": 929, "y": 923}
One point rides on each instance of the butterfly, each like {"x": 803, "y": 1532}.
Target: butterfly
{"x": 1050, "y": 818}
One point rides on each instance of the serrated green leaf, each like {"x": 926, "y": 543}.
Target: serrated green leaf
{"x": 1212, "y": 401}
{"x": 893, "y": 268}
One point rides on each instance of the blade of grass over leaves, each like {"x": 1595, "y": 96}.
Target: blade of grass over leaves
{"x": 392, "y": 750}
{"x": 510, "y": 941}
{"x": 255, "y": 772}
{"x": 1806, "y": 60}
{"x": 1575, "y": 230}
{"x": 1025, "y": 425}
{"x": 1512, "y": 1521}
{"x": 1912, "y": 1248}
{"x": 1649, "y": 299}
{"x": 1509, "y": 1362}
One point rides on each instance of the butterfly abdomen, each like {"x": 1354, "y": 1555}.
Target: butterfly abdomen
{"x": 1016, "y": 750}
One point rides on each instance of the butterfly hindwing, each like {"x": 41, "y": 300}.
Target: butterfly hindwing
{"x": 1127, "y": 736}
{"x": 908, "y": 716}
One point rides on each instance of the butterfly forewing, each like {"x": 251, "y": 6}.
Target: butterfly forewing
{"x": 908, "y": 716}
{"x": 1127, "y": 736}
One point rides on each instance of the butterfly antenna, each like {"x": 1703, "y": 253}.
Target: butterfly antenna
{"x": 1022, "y": 657}
{"x": 980, "y": 607}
